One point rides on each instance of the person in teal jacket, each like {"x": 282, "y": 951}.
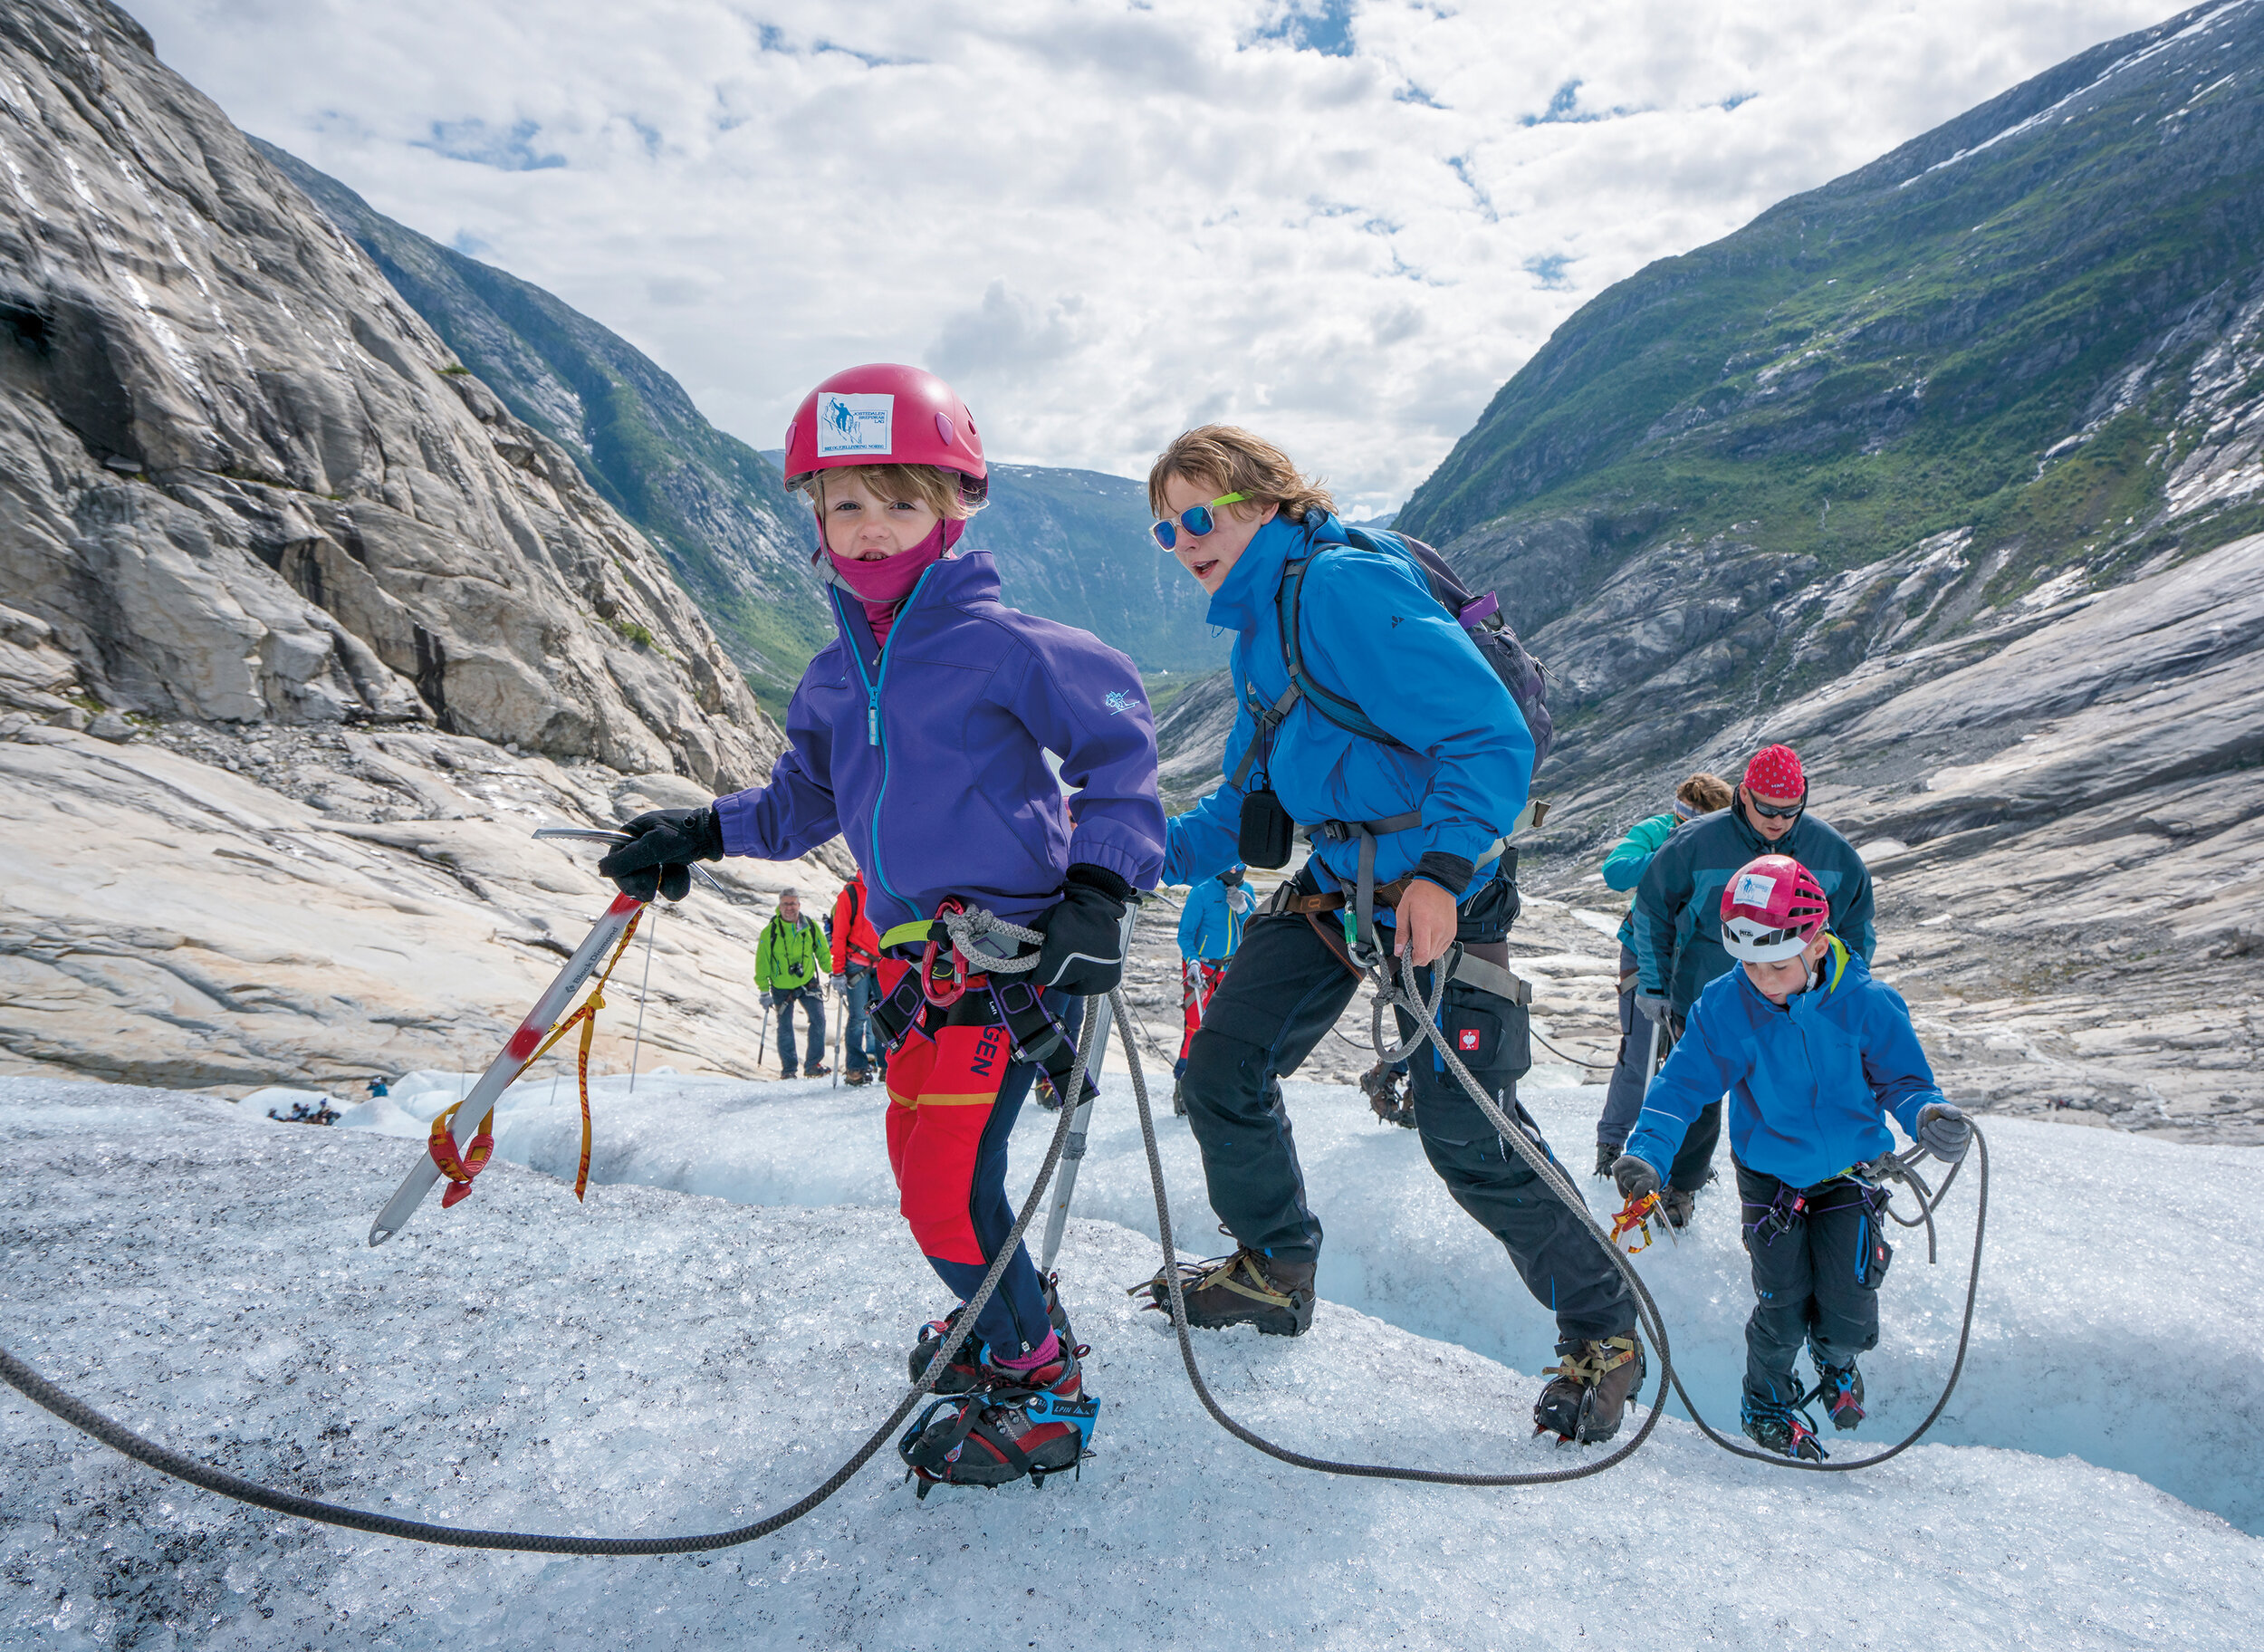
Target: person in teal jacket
{"x": 1437, "y": 800}
{"x": 1210, "y": 929}
{"x": 1701, "y": 794}
{"x": 1678, "y": 937}
{"x": 1815, "y": 1055}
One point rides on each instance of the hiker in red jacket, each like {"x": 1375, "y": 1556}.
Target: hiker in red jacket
{"x": 856, "y": 952}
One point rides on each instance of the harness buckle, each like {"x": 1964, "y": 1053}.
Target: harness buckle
{"x": 956, "y": 976}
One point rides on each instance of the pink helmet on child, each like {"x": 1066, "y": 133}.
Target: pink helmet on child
{"x": 884, "y": 414}
{"x": 1772, "y": 910}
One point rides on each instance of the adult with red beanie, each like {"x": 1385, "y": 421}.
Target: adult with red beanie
{"x": 1677, "y": 918}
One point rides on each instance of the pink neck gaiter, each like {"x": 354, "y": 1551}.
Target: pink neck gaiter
{"x": 882, "y": 586}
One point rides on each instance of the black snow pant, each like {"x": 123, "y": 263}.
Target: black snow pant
{"x": 1284, "y": 990}
{"x": 1816, "y": 1277}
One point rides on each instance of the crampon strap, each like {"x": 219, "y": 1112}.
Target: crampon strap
{"x": 461, "y": 1167}
{"x": 1591, "y": 1362}
{"x": 1221, "y": 1271}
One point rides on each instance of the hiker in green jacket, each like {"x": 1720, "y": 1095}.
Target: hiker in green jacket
{"x": 1701, "y": 793}
{"x": 791, "y": 962}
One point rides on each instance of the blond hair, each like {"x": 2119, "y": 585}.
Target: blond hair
{"x": 1232, "y": 460}
{"x": 942, "y": 491}
{"x": 1705, "y": 792}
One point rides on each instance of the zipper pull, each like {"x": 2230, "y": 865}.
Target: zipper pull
{"x": 872, "y": 716}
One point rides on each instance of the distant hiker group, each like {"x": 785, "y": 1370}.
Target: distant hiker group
{"x": 1391, "y": 718}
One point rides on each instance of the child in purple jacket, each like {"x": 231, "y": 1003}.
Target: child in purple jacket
{"x": 920, "y": 734}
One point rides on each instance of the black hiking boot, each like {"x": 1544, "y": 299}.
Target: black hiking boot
{"x": 1784, "y": 1429}
{"x": 1676, "y": 1203}
{"x": 1587, "y": 1395}
{"x": 1034, "y": 1423}
{"x": 1840, "y": 1387}
{"x": 964, "y": 1374}
{"x": 1247, "y": 1288}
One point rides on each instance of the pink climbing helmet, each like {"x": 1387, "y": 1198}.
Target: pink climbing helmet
{"x": 886, "y": 414}
{"x": 1772, "y": 909}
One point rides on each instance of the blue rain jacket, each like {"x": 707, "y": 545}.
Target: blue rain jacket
{"x": 1211, "y": 925}
{"x": 1372, "y": 633}
{"x": 1810, "y": 1085}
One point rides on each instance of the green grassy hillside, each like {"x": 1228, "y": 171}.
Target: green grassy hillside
{"x": 1988, "y": 331}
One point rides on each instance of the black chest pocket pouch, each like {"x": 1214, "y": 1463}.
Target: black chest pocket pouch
{"x": 1266, "y": 832}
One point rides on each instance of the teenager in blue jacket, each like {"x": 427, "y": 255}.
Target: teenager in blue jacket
{"x": 1210, "y": 929}
{"x": 920, "y": 736}
{"x": 1815, "y": 1056}
{"x": 1437, "y": 802}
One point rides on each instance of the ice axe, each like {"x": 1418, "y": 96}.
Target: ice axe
{"x": 604, "y": 939}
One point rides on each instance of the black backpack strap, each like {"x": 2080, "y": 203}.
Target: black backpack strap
{"x": 1345, "y": 713}
{"x": 1268, "y": 718}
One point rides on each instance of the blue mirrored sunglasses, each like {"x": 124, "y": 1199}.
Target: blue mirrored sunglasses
{"x": 1197, "y": 519}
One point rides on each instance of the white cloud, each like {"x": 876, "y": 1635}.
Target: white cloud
{"x": 1343, "y": 222}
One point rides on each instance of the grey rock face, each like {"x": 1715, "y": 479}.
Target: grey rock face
{"x": 240, "y": 481}
{"x": 711, "y": 503}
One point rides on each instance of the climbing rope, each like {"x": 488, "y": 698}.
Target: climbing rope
{"x": 1965, "y": 1331}
{"x": 87, "y": 1420}
{"x": 1647, "y": 1310}
{"x": 1407, "y": 995}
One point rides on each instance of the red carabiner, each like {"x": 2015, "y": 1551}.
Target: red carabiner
{"x": 958, "y": 977}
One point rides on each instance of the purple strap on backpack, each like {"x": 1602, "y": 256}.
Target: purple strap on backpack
{"x": 1479, "y": 609}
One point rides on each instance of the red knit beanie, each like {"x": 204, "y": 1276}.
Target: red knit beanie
{"x": 1775, "y": 772}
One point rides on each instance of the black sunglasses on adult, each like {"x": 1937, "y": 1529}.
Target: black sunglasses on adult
{"x": 1789, "y": 811}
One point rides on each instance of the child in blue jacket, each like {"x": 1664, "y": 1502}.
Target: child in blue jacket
{"x": 1814, "y": 1055}
{"x": 1210, "y": 929}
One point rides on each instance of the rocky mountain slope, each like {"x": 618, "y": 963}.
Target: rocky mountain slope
{"x": 1071, "y": 545}
{"x": 1942, "y": 473}
{"x": 339, "y": 626}
{"x": 1997, "y": 366}
{"x": 711, "y": 503}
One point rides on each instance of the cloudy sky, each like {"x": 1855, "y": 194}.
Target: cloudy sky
{"x": 1341, "y": 222}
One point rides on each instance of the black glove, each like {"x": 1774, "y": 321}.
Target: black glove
{"x": 1651, "y": 1006}
{"x": 1943, "y": 1132}
{"x": 663, "y": 844}
{"x": 1084, "y": 945}
{"x": 1634, "y": 1177}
